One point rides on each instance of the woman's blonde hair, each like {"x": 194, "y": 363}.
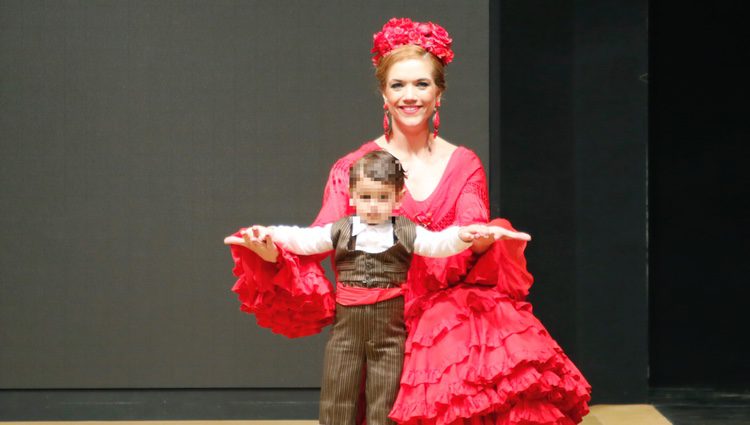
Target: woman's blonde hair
{"x": 409, "y": 51}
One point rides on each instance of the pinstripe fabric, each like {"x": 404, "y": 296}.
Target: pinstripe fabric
{"x": 385, "y": 269}
{"x": 370, "y": 336}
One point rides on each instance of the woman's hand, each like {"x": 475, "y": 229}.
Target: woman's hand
{"x": 257, "y": 239}
{"x": 490, "y": 234}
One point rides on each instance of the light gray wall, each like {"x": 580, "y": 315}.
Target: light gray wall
{"x": 136, "y": 134}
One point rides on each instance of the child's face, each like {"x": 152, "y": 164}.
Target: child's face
{"x": 374, "y": 200}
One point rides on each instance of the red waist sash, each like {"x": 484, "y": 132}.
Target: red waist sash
{"x": 353, "y": 295}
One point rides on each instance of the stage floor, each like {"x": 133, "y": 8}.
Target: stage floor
{"x": 630, "y": 414}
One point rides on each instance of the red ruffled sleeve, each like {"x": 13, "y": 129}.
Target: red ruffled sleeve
{"x": 503, "y": 264}
{"x": 293, "y": 297}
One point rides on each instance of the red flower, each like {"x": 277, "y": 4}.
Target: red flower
{"x": 399, "y": 32}
{"x": 414, "y": 37}
{"x": 441, "y": 34}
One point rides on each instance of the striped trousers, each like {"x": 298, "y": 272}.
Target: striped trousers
{"x": 370, "y": 336}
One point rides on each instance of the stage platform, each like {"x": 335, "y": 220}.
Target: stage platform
{"x": 631, "y": 414}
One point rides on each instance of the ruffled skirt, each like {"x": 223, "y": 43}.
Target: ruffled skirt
{"x": 476, "y": 356}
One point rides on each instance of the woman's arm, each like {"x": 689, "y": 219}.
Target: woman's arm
{"x": 336, "y": 194}
{"x": 473, "y": 204}
{"x": 502, "y": 262}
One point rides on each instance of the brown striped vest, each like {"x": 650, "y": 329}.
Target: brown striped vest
{"x": 385, "y": 269}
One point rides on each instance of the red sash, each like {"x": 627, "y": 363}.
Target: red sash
{"x": 353, "y": 295}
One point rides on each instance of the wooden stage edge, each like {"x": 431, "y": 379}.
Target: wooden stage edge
{"x": 603, "y": 414}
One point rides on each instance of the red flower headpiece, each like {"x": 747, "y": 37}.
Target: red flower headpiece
{"x": 402, "y": 31}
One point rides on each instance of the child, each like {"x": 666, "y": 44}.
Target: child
{"x": 372, "y": 253}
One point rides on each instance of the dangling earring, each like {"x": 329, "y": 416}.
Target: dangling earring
{"x": 436, "y": 120}
{"x": 386, "y": 123}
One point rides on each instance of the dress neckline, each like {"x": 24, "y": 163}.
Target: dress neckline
{"x": 440, "y": 181}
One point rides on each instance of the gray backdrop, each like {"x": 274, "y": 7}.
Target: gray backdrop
{"x": 136, "y": 134}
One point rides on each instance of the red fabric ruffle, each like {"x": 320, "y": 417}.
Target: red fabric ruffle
{"x": 474, "y": 351}
{"x": 292, "y": 297}
{"x": 504, "y": 266}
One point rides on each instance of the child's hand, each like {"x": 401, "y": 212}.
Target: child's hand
{"x": 257, "y": 233}
{"x": 489, "y": 233}
{"x": 257, "y": 239}
{"x": 474, "y": 231}
{"x": 498, "y": 232}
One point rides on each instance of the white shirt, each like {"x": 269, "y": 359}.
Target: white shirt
{"x": 371, "y": 238}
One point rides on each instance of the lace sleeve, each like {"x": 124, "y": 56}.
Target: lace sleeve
{"x": 336, "y": 194}
{"x": 473, "y": 205}
{"x": 504, "y": 264}
{"x": 291, "y": 297}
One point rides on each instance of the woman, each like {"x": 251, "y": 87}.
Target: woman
{"x": 475, "y": 354}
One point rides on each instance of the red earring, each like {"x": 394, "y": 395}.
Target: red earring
{"x": 436, "y": 120}
{"x": 386, "y": 123}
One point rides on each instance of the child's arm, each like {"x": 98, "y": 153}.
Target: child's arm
{"x": 297, "y": 240}
{"x": 440, "y": 244}
{"x": 455, "y": 239}
{"x": 303, "y": 240}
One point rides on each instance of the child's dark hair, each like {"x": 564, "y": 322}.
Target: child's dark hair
{"x": 380, "y": 166}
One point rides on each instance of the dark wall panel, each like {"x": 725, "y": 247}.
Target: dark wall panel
{"x": 611, "y": 114}
{"x": 136, "y": 134}
{"x": 573, "y": 173}
{"x": 699, "y": 186}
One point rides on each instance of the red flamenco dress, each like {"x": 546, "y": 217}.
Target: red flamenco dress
{"x": 475, "y": 353}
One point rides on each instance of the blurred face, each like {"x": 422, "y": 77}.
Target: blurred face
{"x": 374, "y": 200}
{"x": 410, "y": 93}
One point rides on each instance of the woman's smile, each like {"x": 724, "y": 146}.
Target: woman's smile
{"x": 410, "y": 109}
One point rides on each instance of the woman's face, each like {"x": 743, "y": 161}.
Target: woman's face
{"x": 411, "y": 93}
